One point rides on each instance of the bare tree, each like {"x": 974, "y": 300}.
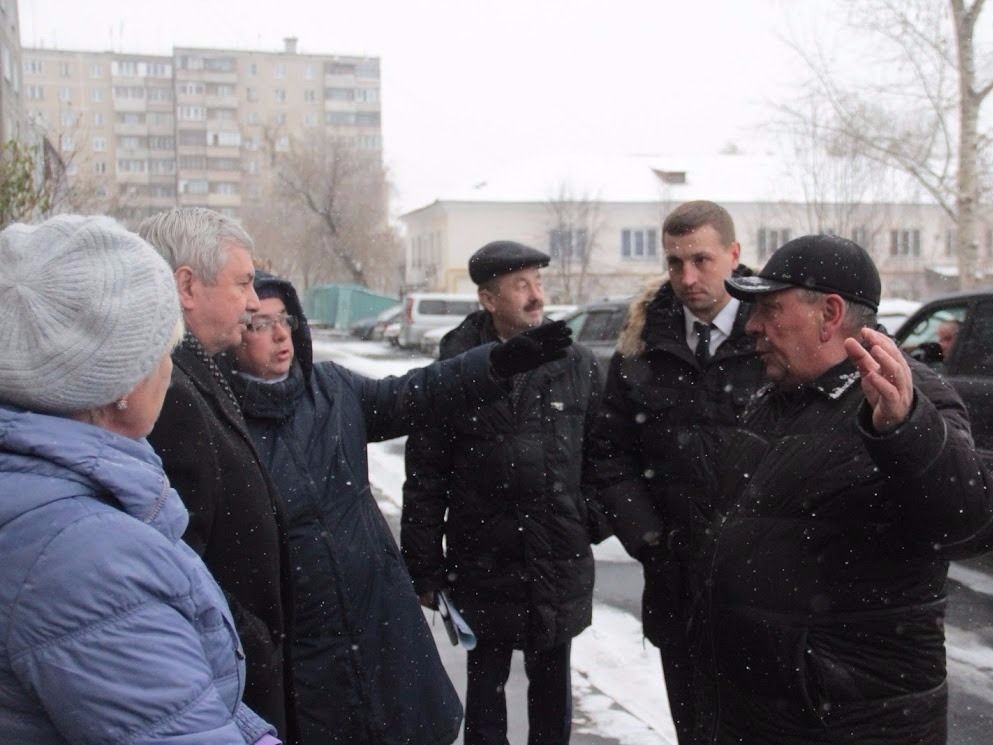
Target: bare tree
{"x": 922, "y": 118}
{"x": 574, "y": 226}
{"x": 336, "y": 193}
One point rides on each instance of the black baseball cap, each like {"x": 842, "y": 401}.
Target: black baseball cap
{"x": 501, "y": 257}
{"x": 825, "y": 263}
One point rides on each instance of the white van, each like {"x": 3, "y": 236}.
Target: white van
{"x": 429, "y": 310}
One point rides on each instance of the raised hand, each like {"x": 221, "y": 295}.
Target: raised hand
{"x": 531, "y": 349}
{"x": 886, "y": 378}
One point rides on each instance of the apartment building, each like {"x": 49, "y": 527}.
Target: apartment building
{"x": 140, "y": 133}
{"x": 12, "y": 121}
{"x": 625, "y": 200}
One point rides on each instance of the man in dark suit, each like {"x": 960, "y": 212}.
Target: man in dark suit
{"x": 235, "y": 512}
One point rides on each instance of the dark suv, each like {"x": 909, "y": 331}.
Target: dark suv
{"x": 954, "y": 334}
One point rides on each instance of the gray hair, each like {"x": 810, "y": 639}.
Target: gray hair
{"x": 195, "y": 237}
{"x": 857, "y": 315}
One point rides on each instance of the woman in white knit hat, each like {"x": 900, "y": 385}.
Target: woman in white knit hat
{"x": 111, "y": 628}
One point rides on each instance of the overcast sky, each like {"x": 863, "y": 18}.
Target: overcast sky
{"x": 469, "y": 86}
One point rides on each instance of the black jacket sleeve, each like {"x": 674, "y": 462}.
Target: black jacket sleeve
{"x": 616, "y": 470}
{"x": 425, "y": 503}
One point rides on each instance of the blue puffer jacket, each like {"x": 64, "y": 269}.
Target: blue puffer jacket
{"x": 111, "y": 628}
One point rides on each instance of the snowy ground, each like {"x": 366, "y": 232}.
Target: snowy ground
{"x": 617, "y": 681}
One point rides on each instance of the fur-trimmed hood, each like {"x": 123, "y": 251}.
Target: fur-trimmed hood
{"x": 658, "y": 292}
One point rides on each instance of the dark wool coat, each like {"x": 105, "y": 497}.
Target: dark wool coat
{"x": 825, "y": 591}
{"x": 236, "y": 525}
{"x": 518, "y": 528}
{"x": 646, "y": 465}
{"x": 366, "y": 668}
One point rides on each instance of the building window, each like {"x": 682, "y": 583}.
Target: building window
{"x": 308, "y": 72}
{"x": 159, "y": 93}
{"x": 368, "y": 69}
{"x": 567, "y": 243}
{"x": 282, "y": 144}
{"x": 33, "y": 66}
{"x": 280, "y": 95}
{"x": 310, "y": 119}
{"x": 96, "y": 95}
{"x": 194, "y": 186}
{"x": 905, "y": 242}
{"x": 770, "y": 239}
{"x": 97, "y": 119}
{"x": 951, "y": 239}
{"x": 224, "y": 187}
{"x": 35, "y": 92}
{"x": 65, "y": 70}
{"x": 100, "y": 166}
{"x": 639, "y": 243}
{"x": 279, "y": 119}
{"x": 251, "y": 94}
{"x": 367, "y": 118}
{"x": 99, "y": 144}
{"x": 191, "y": 113}
{"x": 339, "y": 94}
{"x": 68, "y": 119}
{"x": 339, "y": 68}
{"x": 339, "y": 117}
{"x": 225, "y": 139}
{"x": 279, "y": 70}
{"x": 367, "y": 95}
{"x": 193, "y": 162}
{"x": 124, "y": 68}
{"x": 188, "y": 88}
{"x": 96, "y": 70}
{"x": 310, "y": 96}
{"x": 162, "y": 166}
{"x": 131, "y": 165}
{"x": 65, "y": 94}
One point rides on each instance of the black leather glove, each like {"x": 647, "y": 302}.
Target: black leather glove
{"x": 530, "y": 349}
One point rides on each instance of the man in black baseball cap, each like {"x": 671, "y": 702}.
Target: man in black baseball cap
{"x": 853, "y": 480}
{"x": 825, "y": 263}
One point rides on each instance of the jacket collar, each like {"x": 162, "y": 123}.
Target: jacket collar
{"x": 269, "y": 400}
{"x": 832, "y": 384}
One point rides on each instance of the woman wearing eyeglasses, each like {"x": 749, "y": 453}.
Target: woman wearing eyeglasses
{"x": 111, "y": 627}
{"x": 365, "y": 666}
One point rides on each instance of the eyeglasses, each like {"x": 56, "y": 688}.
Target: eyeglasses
{"x": 258, "y": 324}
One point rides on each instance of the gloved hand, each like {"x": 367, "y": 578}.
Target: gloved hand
{"x": 530, "y": 349}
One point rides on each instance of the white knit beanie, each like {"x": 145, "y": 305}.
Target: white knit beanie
{"x": 87, "y": 310}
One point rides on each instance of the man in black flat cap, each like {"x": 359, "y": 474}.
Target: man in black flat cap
{"x": 852, "y": 483}
{"x": 502, "y": 484}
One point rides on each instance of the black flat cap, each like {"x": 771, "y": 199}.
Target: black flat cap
{"x": 500, "y": 257}
{"x": 825, "y": 263}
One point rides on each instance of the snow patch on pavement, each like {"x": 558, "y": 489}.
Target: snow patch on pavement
{"x": 612, "y": 656}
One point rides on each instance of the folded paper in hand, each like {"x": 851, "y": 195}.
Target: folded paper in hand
{"x": 458, "y": 630}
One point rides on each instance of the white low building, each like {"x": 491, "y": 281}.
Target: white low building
{"x": 610, "y": 211}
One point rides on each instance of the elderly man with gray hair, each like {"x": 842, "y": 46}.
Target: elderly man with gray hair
{"x": 236, "y": 517}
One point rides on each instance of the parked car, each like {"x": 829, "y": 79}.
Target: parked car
{"x": 371, "y": 329}
{"x": 967, "y": 362}
{"x": 597, "y": 326}
{"x": 894, "y": 311}
{"x": 430, "y": 310}
{"x": 391, "y": 334}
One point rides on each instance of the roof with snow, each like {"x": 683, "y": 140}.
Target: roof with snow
{"x": 724, "y": 178}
